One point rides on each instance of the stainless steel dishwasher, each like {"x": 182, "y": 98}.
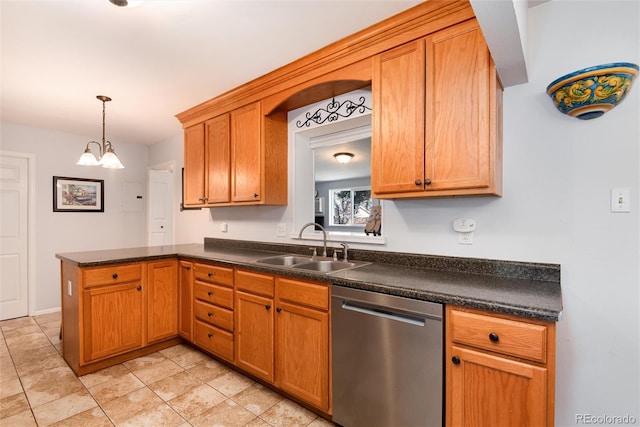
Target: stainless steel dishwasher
{"x": 387, "y": 360}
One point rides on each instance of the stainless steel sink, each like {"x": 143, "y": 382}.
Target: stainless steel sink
{"x": 328, "y": 266}
{"x": 318, "y": 264}
{"x": 285, "y": 260}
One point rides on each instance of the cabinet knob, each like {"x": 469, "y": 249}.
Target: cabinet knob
{"x": 427, "y": 181}
{"x": 210, "y": 293}
{"x": 209, "y": 335}
{"x": 210, "y": 314}
{"x": 210, "y": 274}
{"x": 114, "y": 275}
{"x": 455, "y": 360}
{"x": 267, "y": 306}
{"x": 255, "y": 195}
{"x": 139, "y": 287}
{"x": 418, "y": 182}
{"x": 494, "y": 337}
{"x": 278, "y": 309}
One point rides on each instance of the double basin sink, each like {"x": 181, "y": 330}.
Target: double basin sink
{"x": 317, "y": 264}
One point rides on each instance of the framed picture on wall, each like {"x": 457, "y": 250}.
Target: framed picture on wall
{"x": 78, "y": 194}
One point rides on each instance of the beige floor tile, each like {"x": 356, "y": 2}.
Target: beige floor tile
{"x": 93, "y": 417}
{"x": 209, "y": 370}
{"x": 321, "y": 422}
{"x": 227, "y": 414}
{"x": 128, "y": 406}
{"x": 27, "y": 342}
{"x": 231, "y": 383}
{"x": 45, "y": 386}
{"x": 49, "y": 317}
{"x": 288, "y": 413}
{"x": 7, "y": 370}
{"x": 257, "y": 422}
{"x": 158, "y": 371}
{"x": 161, "y": 415}
{"x": 21, "y": 419}
{"x": 144, "y": 361}
{"x": 10, "y": 388}
{"x": 257, "y": 398}
{"x": 115, "y": 388}
{"x": 13, "y": 405}
{"x": 196, "y": 401}
{"x": 175, "y": 385}
{"x": 24, "y": 330}
{"x": 19, "y": 322}
{"x": 38, "y": 359}
{"x": 63, "y": 408}
{"x": 104, "y": 375}
{"x": 185, "y": 356}
{"x": 4, "y": 350}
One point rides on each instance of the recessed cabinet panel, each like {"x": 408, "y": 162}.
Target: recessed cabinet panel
{"x": 194, "y": 166}
{"x": 246, "y": 154}
{"x": 218, "y": 162}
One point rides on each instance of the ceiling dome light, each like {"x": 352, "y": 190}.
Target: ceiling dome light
{"x": 343, "y": 158}
{"x": 126, "y": 3}
{"x": 109, "y": 158}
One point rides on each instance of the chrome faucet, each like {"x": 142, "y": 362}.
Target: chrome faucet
{"x": 324, "y": 233}
{"x": 346, "y": 248}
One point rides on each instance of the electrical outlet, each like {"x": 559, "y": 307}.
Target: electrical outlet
{"x": 465, "y": 238}
{"x": 282, "y": 230}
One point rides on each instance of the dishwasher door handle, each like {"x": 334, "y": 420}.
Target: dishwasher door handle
{"x": 385, "y": 313}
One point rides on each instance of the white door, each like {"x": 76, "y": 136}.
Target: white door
{"x": 160, "y": 208}
{"x": 14, "y": 239}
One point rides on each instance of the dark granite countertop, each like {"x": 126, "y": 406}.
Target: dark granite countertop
{"x": 519, "y": 288}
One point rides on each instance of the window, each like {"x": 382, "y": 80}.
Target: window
{"x": 349, "y": 206}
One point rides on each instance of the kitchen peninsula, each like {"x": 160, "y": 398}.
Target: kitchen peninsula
{"x": 119, "y": 304}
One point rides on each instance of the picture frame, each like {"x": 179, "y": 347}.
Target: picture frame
{"x": 78, "y": 194}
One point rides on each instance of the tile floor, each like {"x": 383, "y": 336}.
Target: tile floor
{"x": 178, "y": 386}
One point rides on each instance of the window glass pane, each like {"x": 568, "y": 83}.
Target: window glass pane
{"x": 341, "y": 207}
{"x": 361, "y": 206}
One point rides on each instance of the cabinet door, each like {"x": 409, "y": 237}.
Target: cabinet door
{"x": 254, "y": 334}
{"x": 185, "y": 300}
{"x": 458, "y": 94}
{"x": 302, "y": 353}
{"x": 246, "y": 154}
{"x": 194, "y": 167}
{"x": 218, "y": 160}
{"x": 112, "y": 320}
{"x": 162, "y": 294}
{"x": 488, "y": 390}
{"x": 397, "y": 140}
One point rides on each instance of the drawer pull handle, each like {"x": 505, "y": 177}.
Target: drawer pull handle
{"x": 267, "y": 306}
{"x": 209, "y": 335}
{"x": 210, "y": 293}
{"x": 494, "y": 337}
{"x": 455, "y": 360}
{"x": 139, "y": 287}
{"x": 114, "y": 275}
{"x": 210, "y": 274}
{"x": 210, "y": 314}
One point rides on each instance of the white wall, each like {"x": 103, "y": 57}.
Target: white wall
{"x": 55, "y": 155}
{"x": 558, "y": 173}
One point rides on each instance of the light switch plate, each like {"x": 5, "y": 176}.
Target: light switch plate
{"x": 620, "y": 200}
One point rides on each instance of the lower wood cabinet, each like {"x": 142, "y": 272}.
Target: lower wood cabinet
{"x": 185, "y": 299}
{"x": 282, "y": 334}
{"x": 117, "y": 312}
{"x": 500, "y": 370}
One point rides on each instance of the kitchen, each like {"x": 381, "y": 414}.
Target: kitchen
{"x": 536, "y": 220}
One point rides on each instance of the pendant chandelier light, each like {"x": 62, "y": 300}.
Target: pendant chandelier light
{"x": 108, "y": 158}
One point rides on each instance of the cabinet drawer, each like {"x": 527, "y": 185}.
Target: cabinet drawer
{"x": 213, "y": 339}
{"x": 214, "y": 274}
{"x": 261, "y": 284}
{"x": 213, "y": 294}
{"x": 214, "y": 315}
{"x": 510, "y": 337}
{"x": 112, "y": 274}
{"x": 305, "y": 293}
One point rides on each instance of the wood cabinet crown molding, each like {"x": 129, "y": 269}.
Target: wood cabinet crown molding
{"x": 418, "y": 21}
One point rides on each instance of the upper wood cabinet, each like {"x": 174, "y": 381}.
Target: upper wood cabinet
{"x": 437, "y": 107}
{"x": 238, "y": 157}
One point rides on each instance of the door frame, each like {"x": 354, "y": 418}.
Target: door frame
{"x": 171, "y": 168}
{"x": 31, "y": 225}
